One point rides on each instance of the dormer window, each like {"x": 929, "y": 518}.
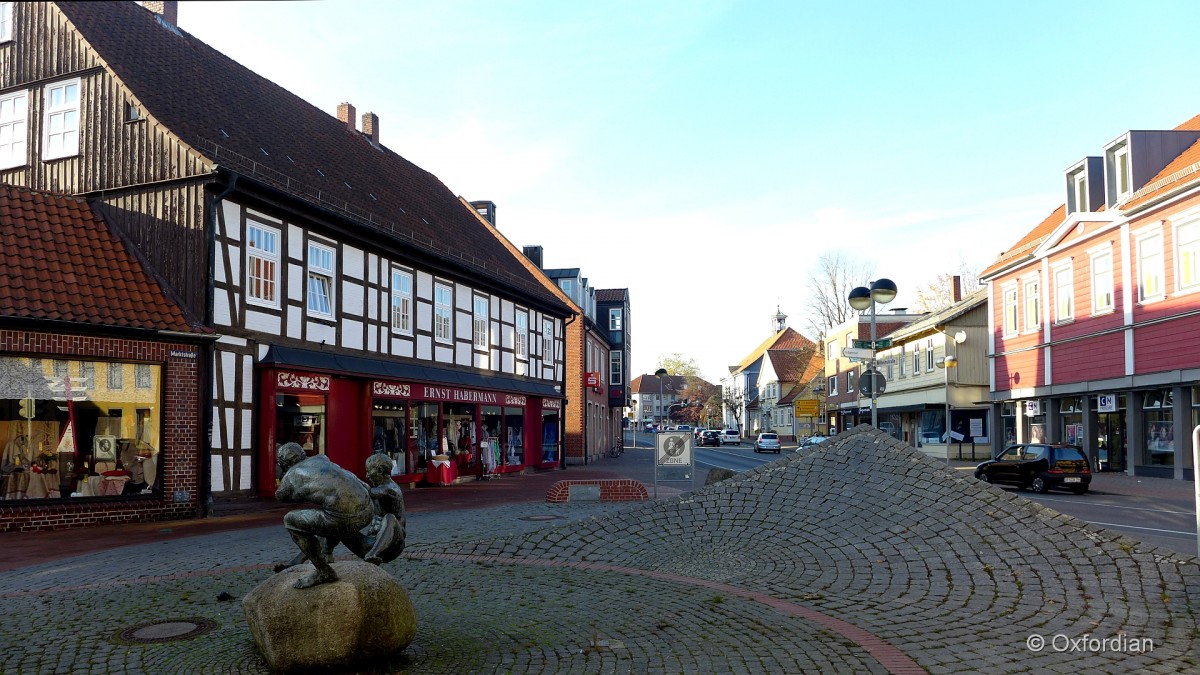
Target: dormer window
{"x": 1121, "y": 177}
{"x": 1079, "y": 191}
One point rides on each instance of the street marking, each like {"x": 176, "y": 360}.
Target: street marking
{"x": 1148, "y": 529}
{"x": 1114, "y": 506}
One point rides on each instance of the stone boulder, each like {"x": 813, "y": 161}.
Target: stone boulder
{"x": 364, "y": 615}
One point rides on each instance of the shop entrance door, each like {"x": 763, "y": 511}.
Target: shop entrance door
{"x": 1110, "y": 441}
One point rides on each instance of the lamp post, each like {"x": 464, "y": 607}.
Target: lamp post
{"x": 660, "y": 374}
{"x": 881, "y": 291}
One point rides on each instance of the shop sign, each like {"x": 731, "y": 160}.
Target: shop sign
{"x": 509, "y": 399}
{"x": 552, "y": 404}
{"x": 180, "y": 354}
{"x": 1106, "y": 403}
{"x": 391, "y": 389}
{"x": 459, "y": 395}
{"x": 1033, "y": 408}
{"x": 593, "y": 379}
{"x": 287, "y": 380}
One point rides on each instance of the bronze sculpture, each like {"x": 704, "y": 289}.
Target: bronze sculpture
{"x": 368, "y": 519}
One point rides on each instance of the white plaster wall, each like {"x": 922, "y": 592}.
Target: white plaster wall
{"x": 352, "y": 334}
{"x": 425, "y": 347}
{"x": 462, "y": 297}
{"x": 232, "y": 213}
{"x": 425, "y": 286}
{"x": 296, "y": 242}
{"x": 462, "y": 325}
{"x": 352, "y": 262}
{"x": 319, "y": 332}
{"x": 352, "y": 299}
{"x": 443, "y": 354}
{"x": 406, "y": 348}
{"x": 262, "y": 322}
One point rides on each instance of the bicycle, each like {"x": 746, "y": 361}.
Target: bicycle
{"x": 616, "y": 450}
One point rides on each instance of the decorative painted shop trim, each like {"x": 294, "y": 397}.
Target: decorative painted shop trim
{"x": 391, "y": 389}
{"x": 552, "y": 404}
{"x": 286, "y": 380}
{"x": 509, "y": 399}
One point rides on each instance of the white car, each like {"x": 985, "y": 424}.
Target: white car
{"x": 731, "y": 437}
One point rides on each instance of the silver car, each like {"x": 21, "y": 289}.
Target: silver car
{"x": 767, "y": 442}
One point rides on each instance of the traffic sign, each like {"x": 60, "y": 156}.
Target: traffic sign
{"x": 857, "y": 353}
{"x": 872, "y": 383}
{"x": 881, "y": 343}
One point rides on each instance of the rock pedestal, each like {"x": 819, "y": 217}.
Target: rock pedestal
{"x": 362, "y": 616}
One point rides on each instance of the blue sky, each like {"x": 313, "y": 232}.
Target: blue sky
{"x": 705, "y": 154}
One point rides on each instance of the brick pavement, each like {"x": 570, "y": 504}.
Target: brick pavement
{"x": 859, "y": 556}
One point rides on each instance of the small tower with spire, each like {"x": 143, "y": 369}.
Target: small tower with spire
{"x": 779, "y": 320}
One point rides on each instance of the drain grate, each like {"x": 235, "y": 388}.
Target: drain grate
{"x": 542, "y": 517}
{"x": 169, "y": 630}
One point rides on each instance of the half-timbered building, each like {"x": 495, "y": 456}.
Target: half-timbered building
{"x": 362, "y": 307}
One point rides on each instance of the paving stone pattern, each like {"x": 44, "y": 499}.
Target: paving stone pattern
{"x": 859, "y": 556}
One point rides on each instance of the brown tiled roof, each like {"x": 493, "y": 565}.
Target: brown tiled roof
{"x": 791, "y": 364}
{"x": 787, "y": 338}
{"x": 61, "y": 262}
{"x": 250, "y": 125}
{"x": 648, "y": 384}
{"x": 1029, "y": 243}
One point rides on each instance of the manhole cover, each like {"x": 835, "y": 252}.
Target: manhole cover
{"x": 542, "y": 517}
{"x": 169, "y": 630}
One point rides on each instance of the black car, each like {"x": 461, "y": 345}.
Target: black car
{"x": 1039, "y": 467}
{"x": 710, "y": 437}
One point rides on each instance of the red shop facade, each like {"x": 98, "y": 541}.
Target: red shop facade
{"x": 437, "y": 425}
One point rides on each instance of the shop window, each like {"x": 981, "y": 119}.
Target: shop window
{"x": 1008, "y": 422}
{"x": 514, "y": 436}
{"x": 388, "y": 437}
{"x": 491, "y": 441}
{"x": 459, "y": 436}
{"x": 300, "y": 418}
{"x": 931, "y": 427}
{"x": 1160, "y": 428}
{"x": 425, "y": 428}
{"x": 65, "y": 437}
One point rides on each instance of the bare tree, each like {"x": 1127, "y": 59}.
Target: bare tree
{"x": 732, "y": 401}
{"x": 829, "y": 283}
{"x": 939, "y": 293}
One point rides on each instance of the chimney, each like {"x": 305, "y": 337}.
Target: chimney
{"x": 371, "y": 127}
{"x": 487, "y": 209}
{"x": 168, "y": 10}
{"x": 534, "y": 253}
{"x": 346, "y": 116}
{"x": 956, "y": 288}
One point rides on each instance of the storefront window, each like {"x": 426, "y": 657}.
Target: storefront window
{"x": 490, "y": 441}
{"x": 1008, "y": 422}
{"x": 514, "y": 437}
{"x": 459, "y": 434}
{"x": 1160, "y": 429}
{"x": 64, "y": 434}
{"x": 425, "y": 429}
{"x": 549, "y": 435}
{"x": 388, "y": 437}
{"x": 1071, "y": 409}
{"x": 932, "y": 427}
{"x": 300, "y": 418}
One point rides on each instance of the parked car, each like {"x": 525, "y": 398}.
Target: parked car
{"x": 710, "y": 437}
{"x": 731, "y": 437}
{"x": 812, "y": 440}
{"x": 767, "y": 442}
{"x": 683, "y": 427}
{"x": 1039, "y": 467}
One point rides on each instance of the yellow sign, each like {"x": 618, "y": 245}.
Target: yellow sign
{"x": 808, "y": 408}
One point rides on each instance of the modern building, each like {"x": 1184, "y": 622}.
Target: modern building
{"x": 1093, "y": 312}
{"x": 100, "y": 375}
{"x": 362, "y": 307}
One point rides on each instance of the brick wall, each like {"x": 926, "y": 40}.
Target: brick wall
{"x": 182, "y": 447}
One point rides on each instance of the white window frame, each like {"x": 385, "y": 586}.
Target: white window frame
{"x": 547, "y": 340}
{"x": 1151, "y": 282}
{"x": 480, "y": 322}
{"x": 402, "y": 301}
{"x": 1079, "y": 185}
{"x": 1009, "y": 304}
{"x": 1033, "y": 304}
{"x": 262, "y": 264}
{"x": 916, "y": 364}
{"x": 850, "y": 382}
{"x": 61, "y": 121}
{"x": 1122, "y": 172}
{"x": 521, "y": 334}
{"x": 1103, "y": 289}
{"x": 6, "y": 21}
{"x": 831, "y": 385}
{"x": 900, "y": 361}
{"x": 443, "y": 313}
{"x": 614, "y": 318}
{"x": 322, "y": 262}
{"x": 616, "y": 372}
{"x": 929, "y": 366}
{"x": 14, "y": 128}
{"x": 1187, "y": 254}
{"x": 1064, "y": 293}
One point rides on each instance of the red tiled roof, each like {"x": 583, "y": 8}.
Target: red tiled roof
{"x": 207, "y": 100}
{"x": 787, "y": 338}
{"x": 1029, "y": 242}
{"x": 61, "y": 262}
{"x": 791, "y": 364}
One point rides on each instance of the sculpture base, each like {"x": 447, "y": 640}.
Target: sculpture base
{"x": 364, "y": 615}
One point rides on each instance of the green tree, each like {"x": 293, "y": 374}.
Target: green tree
{"x": 677, "y": 364}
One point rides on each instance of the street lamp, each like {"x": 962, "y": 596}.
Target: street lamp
{"x": 882, "y": 291}
{"x": 660, "y": 374}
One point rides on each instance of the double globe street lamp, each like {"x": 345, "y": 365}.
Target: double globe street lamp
{"x": 881, "y": 291}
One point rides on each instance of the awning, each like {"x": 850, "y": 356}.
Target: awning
{"x": 408, "y": 372}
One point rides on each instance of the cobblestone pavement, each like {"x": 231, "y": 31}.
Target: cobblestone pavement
{"x": 861, "y": 556}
